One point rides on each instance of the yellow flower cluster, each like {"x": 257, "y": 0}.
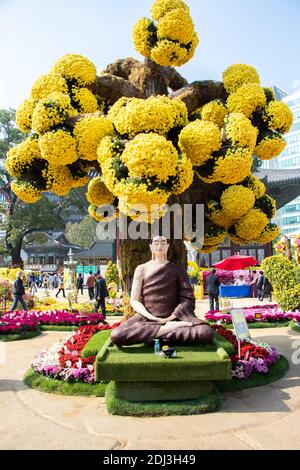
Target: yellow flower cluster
{"x": 269, "y": 234}
{"x": 240, "y": 131}
{"x": 278, "y": 116}
{"x": 257, "y": 186}
{"x": 85, "y": 101}
{"x": 51, "y": 111}
{"x": 270, "y": 146}
{"x": 214, "y": 111}
{"x": 88, "y": 133}
{"x": 156, "y": 114}
{"x": 20, "y": 157}
{"x": 173, "y": 40}
{"x": 184, "y": 175}
{"x": 48, "y": 84}
{"x": 217, "y": 215}
{"x": 198, "y": 140}
{"x": 238, "y": 75}
{"x": 25, "y": 191}
{"x": 100, "y": 214}
{"x": 58, "y": 147}
{"x": 236, "y": 201}
{"x": 251, "y": 225}
{"x": 213, "y": 236}
{"x": 231, "y": 168}
{"x": 207, "y": 249}
{"x": 150, "y": 155}
{"x": 59, "y": 179}
{"x": 98, "y": 194}
{"x": 76, "y": 67}
{"x": 24, "y": 115}
{"x": 247, "y": 99}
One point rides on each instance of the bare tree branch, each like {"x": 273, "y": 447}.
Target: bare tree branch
{"x": 198, "y": 94}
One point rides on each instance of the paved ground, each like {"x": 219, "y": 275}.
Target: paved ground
{"x": 263, "y": 418}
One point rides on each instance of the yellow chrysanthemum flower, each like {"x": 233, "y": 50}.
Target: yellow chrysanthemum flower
{"x": 24, "y": 115}
{"x": 58, "y": 179}
{"x": 236, "y": 201}
{"x": 176, "y": 25}
{"x": 20, "y": 157}
{"x": 215, "y": 111}
{"x": 58, "y": 147}
{"x": 109, "y": 174}
{"x": 184, "y": 175}
{"x": 278, "y": 116}
{"x": 270, "y": 146}
{"x": 269, "y": 234}
{"x": 51, "y": 111}
{"x": 101, "y": 214}
{"x": 257, "y": 186}
{"x": 231, "y": 168}
{"x": 238, "y": 75}
{"x": 251, "y": 225}
{"x": 144, "y": 35}
{"x": 218, "y": 216}
{"x": 169, "y": 53}
{"x": 247, "y": 99}
{"x": 98, "y": 194}
{"x": 76, "y": 67}
{"x": 26, "y": 191}
{"x": 150, "y": 155}
{"x": 162, "y": 7}
{"x": 240, "y": 131}
{"x": 88, "y": 133}
{"x": 48, "y": 84}
{"x": 198, "y": 140}
{"x": 85, "y": 101}
{"x": 207, "y": 249}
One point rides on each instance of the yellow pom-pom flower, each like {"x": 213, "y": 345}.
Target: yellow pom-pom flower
{"x": 162, "y": 7}
{"x": 278, "y": 116}
{"x": 20, "y": 157}
{"x": 240, "y": 131}
{"x": 169, "y": 53}
{"x": 176, "y": 25}
{"x": 144, "y": 36}
{"x": 24, "y": 115}
{"x": 217, "y": 215}
{"x": 51, "y": 111}
{"x": 270, "y": 146}
{"x": 247, "y": 99}
{"x": 88, "y": 133}
{"x": 76, "y": 67}
{"x": 236, "y": 201}
{"x": 251, "y": 225}
{"x": 150, "y": 155}
{"x": 58, "y": 179}
{"x": 26, "y": 191}
{"x": 58, "y": 147}
{"x": 85, "y": 101}
{"x": 238, "y": 75}
{"x": 48, "y": 84}
{"x": 101, "y": 214}
{"x": 198, "y": 140}
{"x": 98, "y": 194}
{"x": 257, "y": 186}
{"x": 215, "y": 111}
{"x": 269, "y": 234}
{"x": 184, "y": 175}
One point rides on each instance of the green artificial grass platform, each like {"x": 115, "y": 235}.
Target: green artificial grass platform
{"x": 47, "y": 385}
{"x": 58, "y": 328}
{"x": 20, "y": 336}
{"x": 121, "y": 407}
{"x": 95, "y": 343}
{"x": 276, "y": 372}
{"x": 293, "y": 326}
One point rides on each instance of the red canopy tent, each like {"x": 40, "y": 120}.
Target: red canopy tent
{"x": 236, "y": 262}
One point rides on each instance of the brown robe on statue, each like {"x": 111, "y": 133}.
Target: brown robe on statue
{"x": 168, "y": 291}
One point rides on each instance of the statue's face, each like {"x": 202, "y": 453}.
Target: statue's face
{"x": 159, "y": 246}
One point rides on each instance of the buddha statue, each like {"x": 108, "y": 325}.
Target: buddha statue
{"x": 164, "y": 304}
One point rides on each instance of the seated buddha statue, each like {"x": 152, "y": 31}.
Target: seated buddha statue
{"x": 164, "y": 304}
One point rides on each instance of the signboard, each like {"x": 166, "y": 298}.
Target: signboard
{"x": 240, "y": 324}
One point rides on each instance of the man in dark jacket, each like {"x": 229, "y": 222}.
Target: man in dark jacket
{"x": 260, "y": 286}
{"x": 18, "y": 292}
{"x": 79, "y": 283}
{"x": 100, "y": 293}
{"x": 212, "y": 287}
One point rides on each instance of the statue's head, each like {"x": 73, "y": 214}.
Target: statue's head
{"x": 159, "y": 247}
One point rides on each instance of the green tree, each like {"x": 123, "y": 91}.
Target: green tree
{"x": 82, "y": 233}
{"x": 112, "y": 273}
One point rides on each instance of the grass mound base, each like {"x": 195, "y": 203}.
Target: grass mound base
{"x": 47, "y": 385}
{"x": 20, "y": 336}
{"x": 58, "y": 328}
{"x": 293, "y": 326}
{"x": 257, "y": 325}
{"x": 276, "y": 372}
{"x": 118, "y": 406}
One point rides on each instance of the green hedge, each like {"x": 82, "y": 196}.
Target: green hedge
{"x": 20, "y": 336}
{"x": 58, "y": 328}
{"x": 293, "y": 326}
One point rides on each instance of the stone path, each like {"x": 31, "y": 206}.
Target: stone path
{"x": 263, "y": 418}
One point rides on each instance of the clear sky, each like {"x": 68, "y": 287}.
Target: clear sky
{"x": 34, "y": 33}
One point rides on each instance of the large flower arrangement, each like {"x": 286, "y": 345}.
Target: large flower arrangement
{"x": 254, "y": 357}
{"x": 53, "y": 317}
{"x": 153, "y": 148}
{"x": 256, "y": 314}
{"x": 14, "y": 324}
{"x": 63, "y": 360}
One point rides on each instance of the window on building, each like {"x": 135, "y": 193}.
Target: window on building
{"x": 50, "y": 259}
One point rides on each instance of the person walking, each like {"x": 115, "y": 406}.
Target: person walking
{"x": 18, "y": 292}
{"x": 101, "y": 293}
{"x": 61, "y": 287}
{"x": 90, "y": 284}
{"x": 33, "y": 286}
{"x": 79, "y": 283}
{"x": 212, "y": 287}
{"x": 267, "y": 289}
{"x": 260, "y": 285}
{"x": 254, "y": 276}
